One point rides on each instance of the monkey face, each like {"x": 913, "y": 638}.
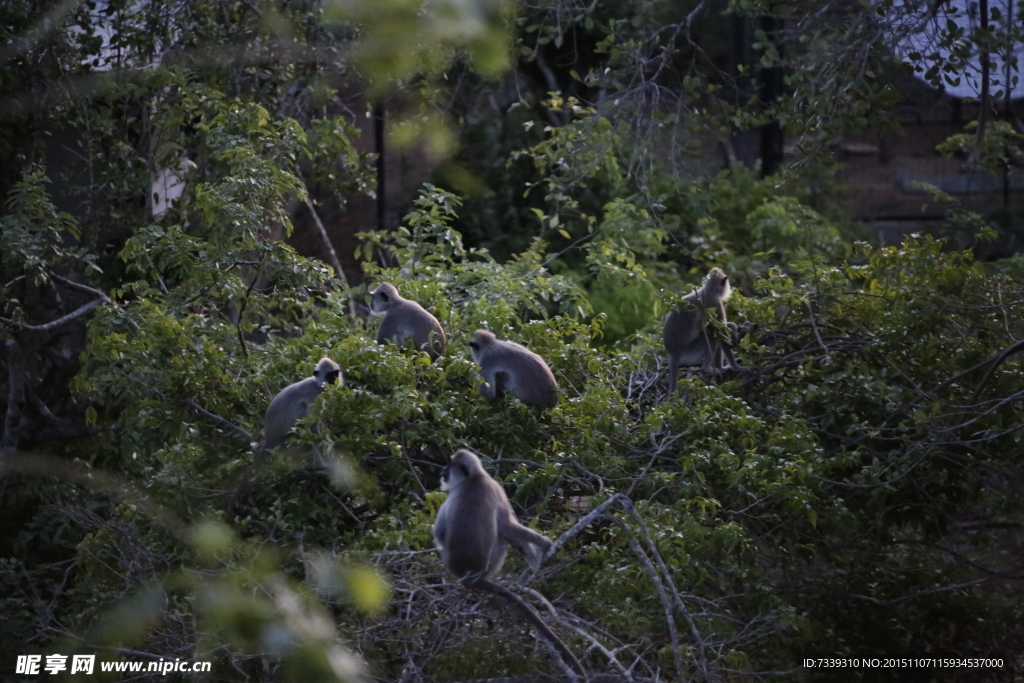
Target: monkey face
{"x": 379, "y": 303}
{"x": 481, "y": 339}
{"x": 462, "y": 465}
{"x": 327, "y": 371}
{"x": 383, "y": 297}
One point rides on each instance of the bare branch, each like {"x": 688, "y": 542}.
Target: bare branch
{"x": 325, "y": 239}
{"x": 996, "y": 362}
{"x": 217, "y": 418}
{"x": 814, "y": 326}
{"x": 702, "y": 663}
{"x": 594, "y": 643}
{"x": 666, "y": 603}
{"x": 82, "y": 288}
{"x": 581, "y": 524}
{"x": 63, "y": 320}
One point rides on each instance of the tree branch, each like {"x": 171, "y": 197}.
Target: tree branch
{"x": 659, "y": 587}
{"x": 983, "y": 52}
{"x": 996, "y": 362}
{"x": 217, "y": 418}
{"x": 59, "y": 322}
{"x": 332, "y": 255}
{"x": 102, "y": 298}
{"x": 15, "y": 391}
{"x": 701, "y": 657}
{"x": 582, "y": 523}
{"x": 82, "y": 288}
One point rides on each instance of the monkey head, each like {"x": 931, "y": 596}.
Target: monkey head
{"x": 383, "y": 298}
{"x": 481, "y": 340}
{"x": 717, "y": 284}
{"x": 464, "y": 464}
{"x": 327, "y": 371}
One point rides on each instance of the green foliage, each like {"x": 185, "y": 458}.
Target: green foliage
{"x": 32, "y": 228}
{"x": 407, "y": 46}
{"x": 402, "y": 39}
{"x": 998, "y": 148}
{"x": 753, "y": 494}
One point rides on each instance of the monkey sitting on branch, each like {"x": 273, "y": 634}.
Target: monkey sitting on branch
{"x": 690, "y": 338}
{"x": 405, "y": 319}
{"x": 289, "y": 406}
{"x": 293, "y": 403}
{"x": 473, "y": 530}
{"x": 507, "y": 366}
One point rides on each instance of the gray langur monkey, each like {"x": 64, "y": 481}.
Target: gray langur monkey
{"x": 507, "y": 366}
{"x": 294, "y": 401}
{"x": 473, "y": 530}
{"x": 690, "y": 340}
{"x": 476, "y": 524}
{"x": 405, "y": 319}
{"x": 289, "y": 406}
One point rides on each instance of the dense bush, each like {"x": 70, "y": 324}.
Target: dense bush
{"x": 848, "y": 495}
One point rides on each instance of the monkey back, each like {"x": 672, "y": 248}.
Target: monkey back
{"x": 470, "y": 540}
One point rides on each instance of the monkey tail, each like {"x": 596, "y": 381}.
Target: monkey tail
{"x": 481, "y": 583}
